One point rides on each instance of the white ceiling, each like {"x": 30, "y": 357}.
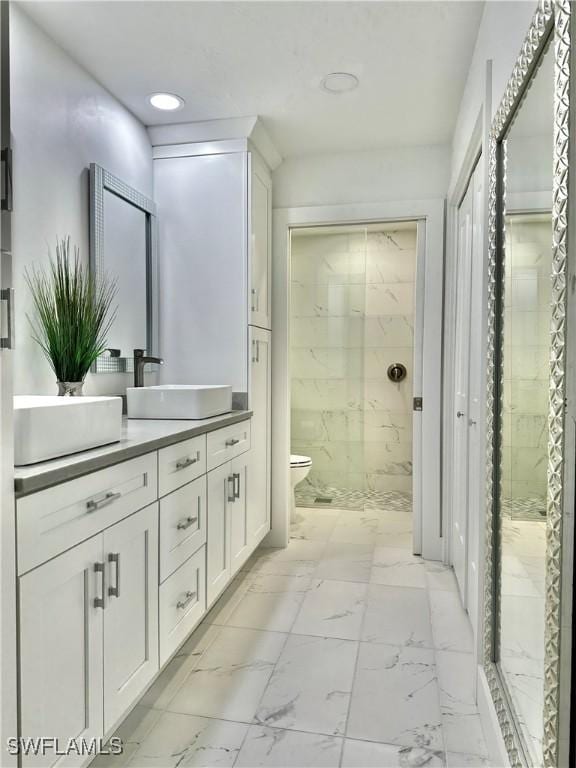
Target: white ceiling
{"x": 233, "y": 59}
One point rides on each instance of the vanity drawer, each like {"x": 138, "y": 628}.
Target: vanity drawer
{"x": 182, "y": 603}
{"x": 56, "y": 519}
{"x": 226, "y": 443}
{"x": 180, "y": 463}
{"x": 182, "y": 525}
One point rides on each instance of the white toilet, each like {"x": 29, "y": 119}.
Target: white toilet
{"x": 299, "y": 468}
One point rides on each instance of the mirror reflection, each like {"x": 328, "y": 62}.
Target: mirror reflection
{"x": 124, "y": 258}
{"x": 524, "y": 419}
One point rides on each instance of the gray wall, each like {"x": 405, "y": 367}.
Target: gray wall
{"x": 62, "y": 120}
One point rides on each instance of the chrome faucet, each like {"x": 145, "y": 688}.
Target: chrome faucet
{"x": 140, "y": 360}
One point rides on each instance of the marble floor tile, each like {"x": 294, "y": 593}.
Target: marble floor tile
{"x": 462, "y": 760}
{"x": 397, "y": 568}
{"x": 461, "y": 722}
{"x": 370, "y": 754}
{"x": 332, "y": 609}
{"x": 464, "y": 732}
{"x": 395, "y": 530}
{"x": 357, "y": 527}
{"x": 311, "y": 686}
{"x": 278, "y": 748}
{"x": 395, "y": 697}
{"x": 440, "y": 576}
{"x": 186, "y": 740}
{"x": 168, "y": 682}
{"x": 270, "y": 603}
{"x": 313, "y": 524}
{"x": 451, "y": 628}
{"x": 346, "y": 562}
{"x": 300, "y": 558}
{"x": 231, "y": 676}
{"x": 227, "y": 602}
{"x": 132, "y": 731}
{"x": 397, "y": 616}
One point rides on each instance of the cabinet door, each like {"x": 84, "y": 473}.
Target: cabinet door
{"x": 61, "y": 649}
{"x": 220, "y": 491}
{"x": 238, "y": 512}
{"x": 260, "y": 464}
{"x": 203, "y": 270}
{"x": 261, "y": 245}
{"x": 131, "y": 615}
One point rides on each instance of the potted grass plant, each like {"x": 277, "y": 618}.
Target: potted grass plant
{"x": 73, "y": 314}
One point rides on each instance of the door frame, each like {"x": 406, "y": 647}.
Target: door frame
{"x": 428, "y": 528}
{"x": 474, "y": 157}
{"x": 8, "y": 616}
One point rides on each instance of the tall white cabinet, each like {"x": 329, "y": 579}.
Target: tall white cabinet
{"x": 215, "y": 228}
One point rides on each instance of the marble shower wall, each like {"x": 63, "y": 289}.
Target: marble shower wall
{"x": 526, "y": 356}
{"x": 352, "y": 316}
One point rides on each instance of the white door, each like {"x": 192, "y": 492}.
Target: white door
{"x": 220, "y": 491}
{"x": 476, "y": 397}
{"x": 260, "y": 464}
{"x": 261, "y": 243}
{"x": 131, "y": 613}
{"x": 461, "y": 414}
{"x": 8, "y": 688}
{"x": 61, "y": 626}
{"x": 238, "y": 511}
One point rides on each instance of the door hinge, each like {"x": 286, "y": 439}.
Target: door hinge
{"x": 7, "y": 196}
{"x": 417, "y": 404}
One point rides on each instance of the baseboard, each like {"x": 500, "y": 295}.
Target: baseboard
{"x": 490, "y": 724}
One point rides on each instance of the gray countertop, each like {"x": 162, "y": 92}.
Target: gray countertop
{"x": 139, "y": 436}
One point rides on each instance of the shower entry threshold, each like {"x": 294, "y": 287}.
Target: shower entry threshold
{"x": 346, "y": 498}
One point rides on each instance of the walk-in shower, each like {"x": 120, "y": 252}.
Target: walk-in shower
{"x": 352, "y": 363}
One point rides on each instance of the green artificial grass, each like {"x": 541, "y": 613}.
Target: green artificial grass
{"x": 73, "y": 313}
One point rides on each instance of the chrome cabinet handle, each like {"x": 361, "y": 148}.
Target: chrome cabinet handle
{"x": 236, "y": 484}
{"x": 253, "y": 293}
{"x": 233, "y": 441}
{"x": 94, "y": 504}
{"x": 231, "y": 488}
{"x": 181, "y": 604}
{"x": 115, "y": 558}
{"x": 257, "y": 352}
{"x": 99, "y": 568}
{"x": 459, "y": 414}
{"x": 186, "y": 523}
{"x": 187, "y": 462}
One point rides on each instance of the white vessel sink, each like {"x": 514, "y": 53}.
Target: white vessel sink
{"x": 47, "y": 427}
{"x": 179, "y": 401}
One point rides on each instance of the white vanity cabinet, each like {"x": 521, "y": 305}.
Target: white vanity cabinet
{"x": 260, "y": 402}
{"x": 260, "y": 243}
{"x": 61, "y": 649}
{"x": 215, "y": 204}
{"x": 228, "y": 539}
{"x": 88, "y": 632}
{"x": 117, "y": 567}
{"x": 130, "y": 611}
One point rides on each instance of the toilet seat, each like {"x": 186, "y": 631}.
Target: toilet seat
{"x": 300, "y": 461}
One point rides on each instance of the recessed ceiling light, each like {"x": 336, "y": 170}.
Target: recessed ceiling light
{"x": 339, "y": 82}
{"x": 167, "y": 101}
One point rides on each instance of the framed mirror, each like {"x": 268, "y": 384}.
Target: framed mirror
{"x": 123, "y": 245}
{"x": 530, "y": 498}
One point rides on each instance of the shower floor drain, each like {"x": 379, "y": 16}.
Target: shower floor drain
{"x": 322, "y": 500}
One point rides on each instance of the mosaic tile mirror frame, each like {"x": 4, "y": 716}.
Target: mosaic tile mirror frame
{"x": 530, "y": 509}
